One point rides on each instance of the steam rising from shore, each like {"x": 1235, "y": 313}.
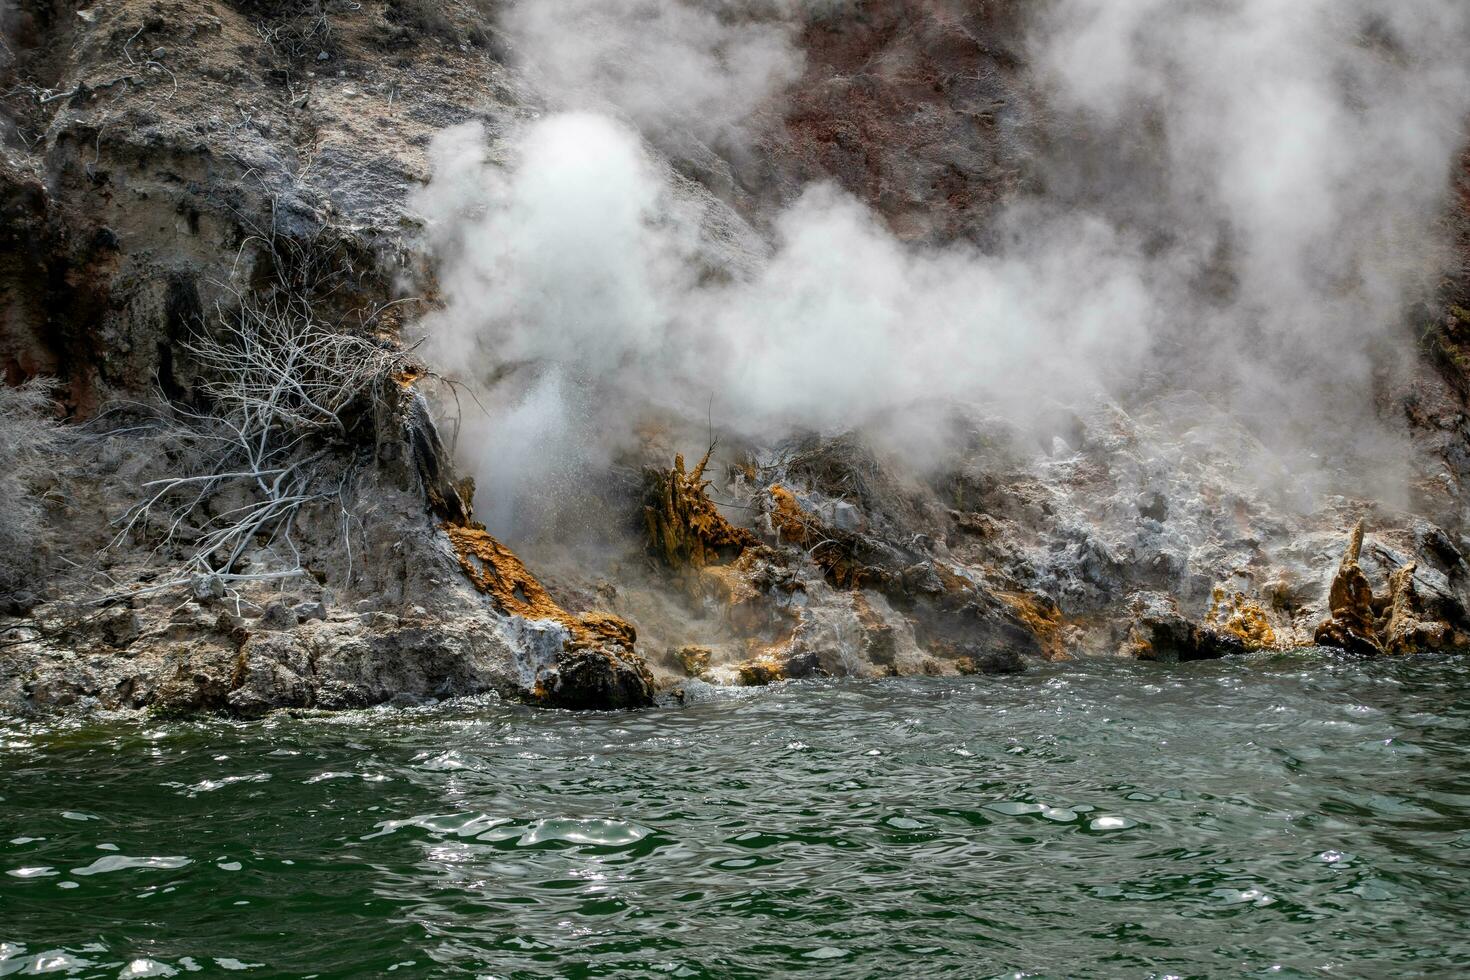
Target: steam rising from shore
{"x": 1242, "y": 200}
{"x": 1303, "y": 160}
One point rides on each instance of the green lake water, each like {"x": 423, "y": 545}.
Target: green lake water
{"x": 1286, "y": 816}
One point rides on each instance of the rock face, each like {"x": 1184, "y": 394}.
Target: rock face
{"x": 915, "y": 106}
{"x": 1130, "y": 541}
{"x": 165, "y": 164}
{"x": 198, "y": 660}
{"x": 1160, "y": 632}
{"x": 1412, "y": 615}
{"x": 134, "y": 184}
{"x": 834, "y": 586}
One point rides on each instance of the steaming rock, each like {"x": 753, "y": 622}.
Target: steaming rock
{"x": 693, "y": 660}
{"x": 683, "y": 525}
{"x": 995, "y": 468}
{"x": 1352, "y": 625}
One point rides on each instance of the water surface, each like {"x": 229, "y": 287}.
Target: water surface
{"x": 1285, "y": 816}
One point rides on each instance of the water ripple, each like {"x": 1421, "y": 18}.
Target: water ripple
{"x": 1278, "y": 816}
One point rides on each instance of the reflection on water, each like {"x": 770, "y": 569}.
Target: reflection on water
{"x": 1283, "y": 816}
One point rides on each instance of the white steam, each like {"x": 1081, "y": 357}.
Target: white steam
{"x": 1242, "y": 200}
{"x": 1303, "y": 150}
{"x": 665, "y": 65}
{"x": 845, "y": 324}
{"x": 567, "y": 262}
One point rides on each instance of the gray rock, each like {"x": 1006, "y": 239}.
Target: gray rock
{"x": 266, "y": 687}
{"x": 1160, "y": 632}
{"x": 465, "y": 658}
{"x": 206, "y": 588}
{"x": 18, "y": 603}
{"x": 64, "y": 684}
{"x": 277, "y": 616}
{"x": 597, "y": 680}
{"x": 120, "y": 626}
{"x": 188, "y": 620}
{"x": 990, "y": 661}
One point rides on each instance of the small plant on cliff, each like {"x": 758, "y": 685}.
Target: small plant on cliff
{"x": 28, "y": 439}
{"x": 290, "y": 407}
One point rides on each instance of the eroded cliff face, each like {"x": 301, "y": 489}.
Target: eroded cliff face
{"x": 1156, "y": 524}
{"x": 151, "y": 146}
{"x": 166, "y": 164}
{"x": 918, "y": 107}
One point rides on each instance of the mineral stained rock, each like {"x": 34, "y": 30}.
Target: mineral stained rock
{"x": 693, "y": 660}
{"x": 1353, "y": 621}
{"x": 1160, "y": 632}
{"x": 1242, "y": 617}
{"x": 685, "y": 529}
{"x": 597, "y": 668}
{"x": 1410, "y": 615}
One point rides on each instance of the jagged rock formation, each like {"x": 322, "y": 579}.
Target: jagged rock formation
{"x": 597, "y": 666}
{"x": 1410, "y": 616}
{"x": 1352, "y": 625}
{"x": 684, "y": 527}
{"x": 831, "y": 589}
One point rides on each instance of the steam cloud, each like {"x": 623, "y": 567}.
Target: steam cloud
{"x": 1242, "y": 201}
{"x": 665, "y": 65}
{"x": 1304, "y": 157}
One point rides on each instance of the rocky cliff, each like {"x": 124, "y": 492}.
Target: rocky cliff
{"x": 191, "y": 188}
{"x": 182, "y": 177}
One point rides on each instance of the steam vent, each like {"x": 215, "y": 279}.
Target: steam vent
{"x": 903, "y": 434}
